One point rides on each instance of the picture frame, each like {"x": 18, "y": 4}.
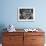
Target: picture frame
{"x": 26, "y": 14}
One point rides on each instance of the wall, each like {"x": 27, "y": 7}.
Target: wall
{"x": 9, "y": 13}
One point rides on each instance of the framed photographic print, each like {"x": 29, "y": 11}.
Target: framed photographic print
{"x": 26, "y": 14}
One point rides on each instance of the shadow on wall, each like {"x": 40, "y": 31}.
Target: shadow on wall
{"x": 2, "y": 26}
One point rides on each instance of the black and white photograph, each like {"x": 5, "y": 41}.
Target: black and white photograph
{"x": 26, "y": 14}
